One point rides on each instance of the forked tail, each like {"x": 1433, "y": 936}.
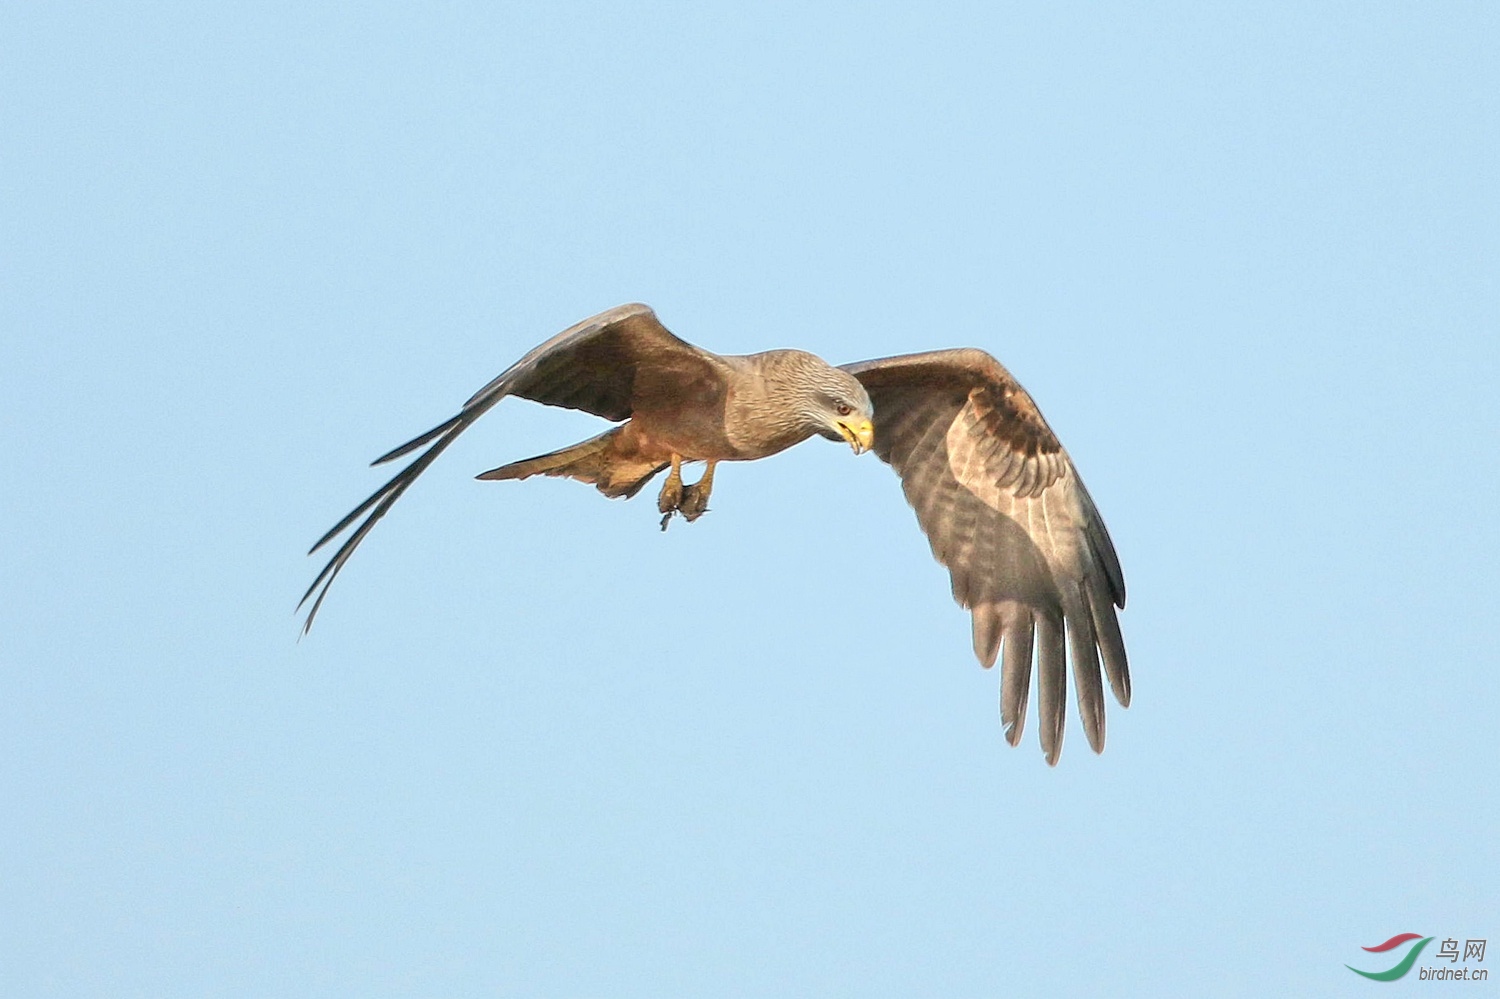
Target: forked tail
{"x": 592, "y": 461}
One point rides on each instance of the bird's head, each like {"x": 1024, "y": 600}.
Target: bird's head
{"x": 838, "y": 407}
{"x": 806, "y": 395}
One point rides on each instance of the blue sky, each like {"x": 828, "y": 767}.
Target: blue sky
{"x": 1243, "y": 256}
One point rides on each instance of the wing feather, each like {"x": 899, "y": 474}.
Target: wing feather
{"x": 1085, "y": 646}
{"x": 591, "y": 366}
{"x": 1052, "y": 676}
{"x": 1111, "y": 642}
{"x": 1005, "y": 511}
{"x": 1015, "y": 670}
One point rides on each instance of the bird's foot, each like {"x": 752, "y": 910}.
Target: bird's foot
{"x": 694, "y": 502}
{"x": 695, "y": 497}
{"x": 690, "y": 501}
{"x": 670, "y": 499}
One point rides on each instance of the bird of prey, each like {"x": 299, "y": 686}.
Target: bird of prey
{"x": 1001, "y": 504}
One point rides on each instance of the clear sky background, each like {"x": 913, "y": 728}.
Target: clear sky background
{"x": 1244, "y": 257}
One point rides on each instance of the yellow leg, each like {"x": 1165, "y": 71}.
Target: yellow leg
{"x": 671, "y": 490}
{"x": 670, "y": 498}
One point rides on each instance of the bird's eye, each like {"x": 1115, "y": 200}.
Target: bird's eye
{"x": 843, "y": 409}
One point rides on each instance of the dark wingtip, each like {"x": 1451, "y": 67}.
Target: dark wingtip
{"x": 416, "y": 442}
{"x": 373, "y": 508}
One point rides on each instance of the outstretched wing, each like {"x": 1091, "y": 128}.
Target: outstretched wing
{"x": 593, "y": 366}
{"x": 1006, "y": 512}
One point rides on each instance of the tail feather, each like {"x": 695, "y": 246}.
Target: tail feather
{"x": 589, "y": 461}
{"x": 569, "y": 461}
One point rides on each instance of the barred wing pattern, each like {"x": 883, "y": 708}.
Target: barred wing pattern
{"x": 1007, "y": 514}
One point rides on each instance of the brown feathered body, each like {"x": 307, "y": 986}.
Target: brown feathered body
{"x": 741, "y": 408}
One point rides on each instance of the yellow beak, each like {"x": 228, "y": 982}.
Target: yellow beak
{"x": 860, "y": 434}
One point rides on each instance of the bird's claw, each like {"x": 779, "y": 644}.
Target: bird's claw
{"x": 694, "y": 503}
{"x": 670, "y": 499}
{"x": 690, "y": 501}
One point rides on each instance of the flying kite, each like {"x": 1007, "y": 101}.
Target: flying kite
{"x": 1002, "y": 506}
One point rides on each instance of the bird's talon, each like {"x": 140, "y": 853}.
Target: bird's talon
{"x": 670, "y": 498}
{"x": 694, "y": 503}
